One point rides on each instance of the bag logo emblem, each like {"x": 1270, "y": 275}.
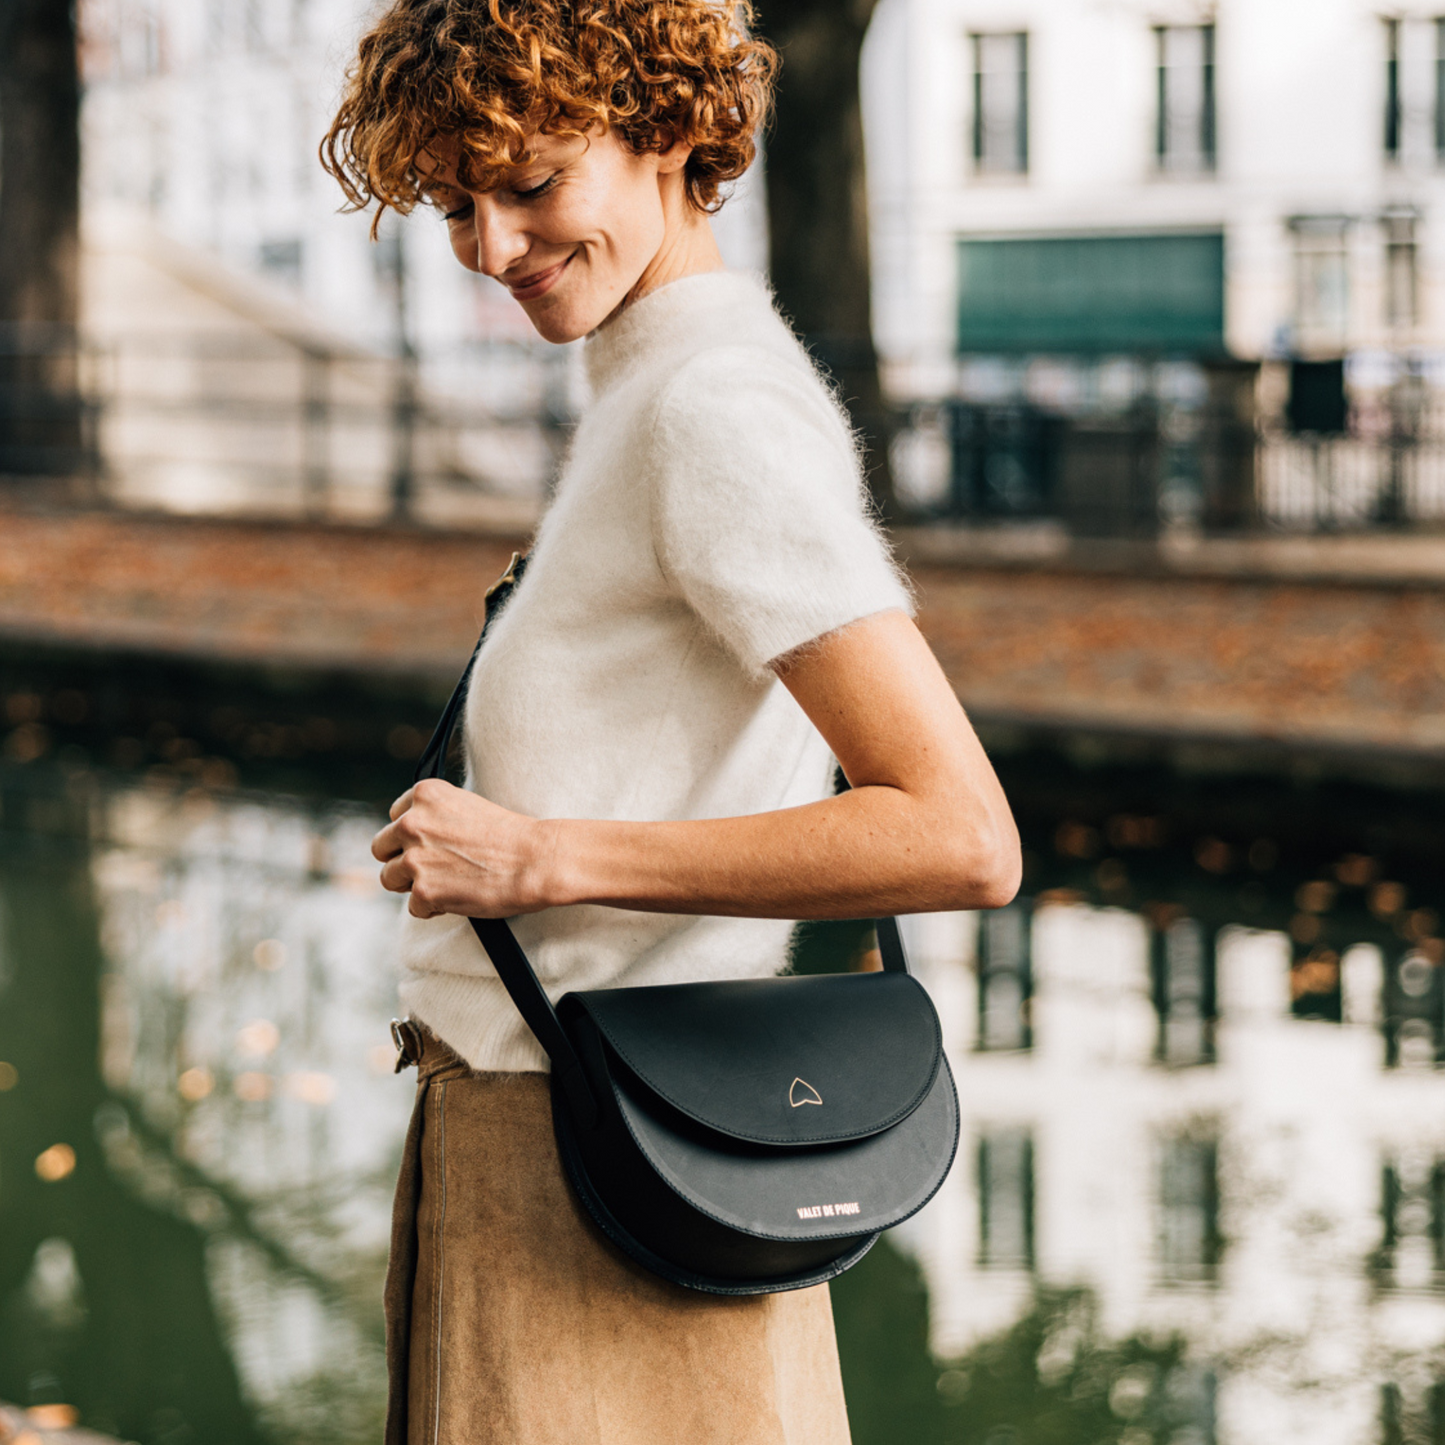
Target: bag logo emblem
{"x": 802, "y": 1093}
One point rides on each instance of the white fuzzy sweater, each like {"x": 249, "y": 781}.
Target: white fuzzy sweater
{"x": 710, "y": 518}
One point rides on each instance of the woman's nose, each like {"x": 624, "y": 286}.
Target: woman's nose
{"x": 500, "y": 241}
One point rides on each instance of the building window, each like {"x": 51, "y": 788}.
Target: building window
{"x": 281, "y": 260}
{"x": 1392, "y": 90}
{"x": 1415, "y": 1007}
{"x": 1000, "y": 104}
{"x": 1183, "y": 969}
{"x": 1184, "y": 129}
{"x": 1006, "y": 1199}
{"x": 1322, "y": 273}
{"x": 1401, "y": 304}
{"x": 1440, "y": 90}
{"x": 1412, "y": 1220}
{"x": 1189, "y": 1244}
{"x": 1413, "y": 1413}
{"x": 1005, "y": 979}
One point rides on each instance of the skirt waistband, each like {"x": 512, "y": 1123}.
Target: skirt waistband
{"x": 417, "y": 1045}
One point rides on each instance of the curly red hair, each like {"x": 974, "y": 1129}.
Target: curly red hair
{"x": 485, "y": 75}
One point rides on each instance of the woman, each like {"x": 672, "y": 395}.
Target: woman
{"x": 708, "y": 618}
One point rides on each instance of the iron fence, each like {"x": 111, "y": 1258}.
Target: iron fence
{"x": 261, "y": 425}
{"x": 1143, "y": 472}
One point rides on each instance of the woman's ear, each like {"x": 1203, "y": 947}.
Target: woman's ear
{"x": 673, "y": 159}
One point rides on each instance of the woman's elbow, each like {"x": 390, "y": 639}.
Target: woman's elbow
{"x": 988, "y": 867}
{"x": 1001, "y": 884}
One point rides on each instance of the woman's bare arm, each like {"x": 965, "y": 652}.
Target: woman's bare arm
{"x": 925, "y": 827}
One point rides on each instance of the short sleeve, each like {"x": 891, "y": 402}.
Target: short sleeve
{"x": 759, "y": 515}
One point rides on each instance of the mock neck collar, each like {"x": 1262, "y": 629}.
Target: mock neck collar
{"x": 676, "y": 315}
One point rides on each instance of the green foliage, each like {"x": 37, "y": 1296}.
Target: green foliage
{"x": 1050, "y": 1379}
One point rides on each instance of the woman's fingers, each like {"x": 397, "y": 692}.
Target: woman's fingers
{"x": 397, "y": 877}
{"x": 389, "y": 842}
{"x": 453, "y": 851}
{"x": 418, "y": 909}
{"x": 384, "y": 846}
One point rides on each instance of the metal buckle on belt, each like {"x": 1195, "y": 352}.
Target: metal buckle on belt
{"x": 407, "y": 1038}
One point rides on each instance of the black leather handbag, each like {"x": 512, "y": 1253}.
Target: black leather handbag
{"x": 740, "y": 1137}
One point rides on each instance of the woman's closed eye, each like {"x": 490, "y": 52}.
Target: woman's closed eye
{"x": 527, "y": 193}
{"x": 531, "y": 193}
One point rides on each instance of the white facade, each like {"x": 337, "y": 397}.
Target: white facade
{"x": 210, "y": 227}
{"x": 207, "y": 117}
{"x": 1300, "y": 100}
{"x": 1301, "y": 1116}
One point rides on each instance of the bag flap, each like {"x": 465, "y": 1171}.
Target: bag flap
{"x": 814, "y": 1060}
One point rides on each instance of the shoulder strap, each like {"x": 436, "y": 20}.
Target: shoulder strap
{"x": 507, "y": 956}
{"x": 512, "y": 965}
{"x": 433, "y": 760}
{"x": 890, "y": 945}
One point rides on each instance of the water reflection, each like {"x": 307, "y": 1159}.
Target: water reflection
{"x": 1201, "y": 1195}
{"x": 195, "y": 997}
{"x": 1182, "y": 1131}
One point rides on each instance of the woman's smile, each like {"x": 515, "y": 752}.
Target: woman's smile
{"x": 539, "y": 283}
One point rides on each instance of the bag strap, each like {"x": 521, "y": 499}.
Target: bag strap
{"x": 496, "y": 937}
{"x": 508, "y": 958}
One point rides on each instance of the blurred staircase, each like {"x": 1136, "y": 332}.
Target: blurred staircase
{"x": 218, "y": 392}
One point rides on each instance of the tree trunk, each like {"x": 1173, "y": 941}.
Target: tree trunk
{"x": 818, "y": 208}
{"x": 40, "y": 415}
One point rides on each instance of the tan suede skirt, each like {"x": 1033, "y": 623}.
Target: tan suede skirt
{"x": 511, "y": 1321}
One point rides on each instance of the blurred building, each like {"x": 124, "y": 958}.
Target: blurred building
{"x": 1176, "y": 1119}
{"x": 253, "y": 347}
{"x": 1111, "y": 240}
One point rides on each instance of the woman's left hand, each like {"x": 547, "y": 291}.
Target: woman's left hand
{"x": 454, "y": 852}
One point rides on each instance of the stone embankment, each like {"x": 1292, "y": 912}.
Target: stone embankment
{"x": 1327, "y": 642}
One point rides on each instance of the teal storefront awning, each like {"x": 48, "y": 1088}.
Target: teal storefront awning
{"x": 1153, "y": 293}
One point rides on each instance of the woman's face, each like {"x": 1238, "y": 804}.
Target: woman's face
{"x": 572, "y": 234}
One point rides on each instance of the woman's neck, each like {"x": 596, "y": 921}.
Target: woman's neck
{"x": 688, "y": 248}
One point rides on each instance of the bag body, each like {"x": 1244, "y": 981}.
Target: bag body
{"x": 757, "y": 1135}
{"x": 746, "y": 1136}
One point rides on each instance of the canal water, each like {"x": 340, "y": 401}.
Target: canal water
{"x": 1201, "y": 1191}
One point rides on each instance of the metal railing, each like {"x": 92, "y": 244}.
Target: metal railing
{"x": 1140, "y": 473}
{"x": 256, "y": 424}
{"x": 252, "y": 422}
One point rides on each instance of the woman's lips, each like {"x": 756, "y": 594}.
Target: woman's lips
{"x": 529, "y": 288}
